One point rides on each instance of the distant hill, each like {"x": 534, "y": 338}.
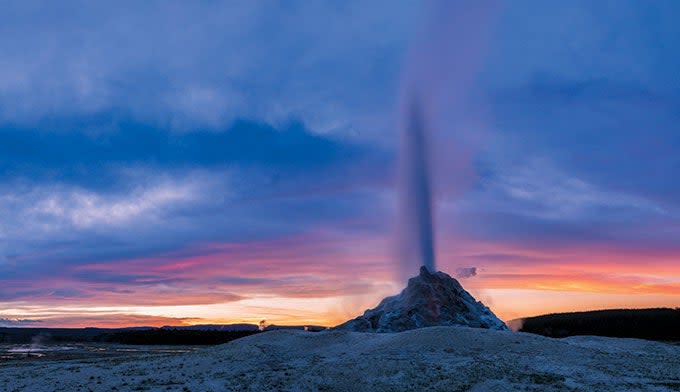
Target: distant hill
{"x": 214, "y": 327}
{"x": 310, "y": 328}
{"x": 653, "y": 324}
{"x": 242, "y": 327}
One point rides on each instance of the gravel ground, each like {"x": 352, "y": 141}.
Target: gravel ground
{"x": 428, "y": 359}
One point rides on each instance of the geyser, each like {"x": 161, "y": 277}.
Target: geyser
{"x": 439, "y": 120}
{"x": 440, "y": 70}
{"x": 429, "y": 299}
{"x": 416, "y": 235}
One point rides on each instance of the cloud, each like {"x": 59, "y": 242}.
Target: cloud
{"x": 82, "y": 209}
{"x": 466, "y": 272}
{"x": 547, "y": 193}
{"x": 531, "y": 201}
{"x": 84, "y": 319}
{"x": 134, "y": 191}
{"x": 193, "y": 166}
{"x": 167, "y": 292}
{"x": 17, "y": 322}
{"x": 226, "y": 66}
{"x": 101, "y": 152}
{"x": 215, "y": 273}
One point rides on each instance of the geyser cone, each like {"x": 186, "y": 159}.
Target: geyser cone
{"x": 430, "y": 299}
{"x": 416, "y": 239}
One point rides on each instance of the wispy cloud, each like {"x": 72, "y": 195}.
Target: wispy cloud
{"x": 545, "y": 192}
{"x": 84, "y": 209}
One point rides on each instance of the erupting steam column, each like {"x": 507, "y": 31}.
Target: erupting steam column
{"x": 437, "y": 100}
{"x": 416, "y": 235}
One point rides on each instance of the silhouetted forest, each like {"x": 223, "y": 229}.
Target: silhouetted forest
{"x": 652, "y": 324}
{"x": 147, "y": 336}
{"x": 172, "y": 337}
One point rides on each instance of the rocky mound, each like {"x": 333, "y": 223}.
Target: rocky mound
{"x": 430, "y": 299}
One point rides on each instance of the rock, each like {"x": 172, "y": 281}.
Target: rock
{"x": 430, "y": 299}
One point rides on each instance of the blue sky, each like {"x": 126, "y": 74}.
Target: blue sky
{"x": 166, "y": 130}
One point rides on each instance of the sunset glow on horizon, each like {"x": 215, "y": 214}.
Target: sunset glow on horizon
{"x": 247, "y": 283}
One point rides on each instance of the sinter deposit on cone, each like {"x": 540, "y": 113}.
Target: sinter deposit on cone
{"x": 430, "y": 299}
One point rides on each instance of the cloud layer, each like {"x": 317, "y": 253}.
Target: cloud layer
{"x": 173, "y": 163}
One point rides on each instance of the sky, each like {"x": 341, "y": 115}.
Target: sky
{"x": 168, "y": 163}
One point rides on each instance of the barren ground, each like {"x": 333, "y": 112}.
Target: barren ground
{"x": 429, "y": 359}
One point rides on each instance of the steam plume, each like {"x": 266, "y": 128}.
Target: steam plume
{"x": 440, "y": 70}
{"x": 416, "y": 208}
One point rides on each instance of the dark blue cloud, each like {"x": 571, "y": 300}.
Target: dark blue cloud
{"x": 83, "y": 153}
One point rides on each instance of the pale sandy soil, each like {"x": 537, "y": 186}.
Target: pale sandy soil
{"x": 429, "y": 359}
